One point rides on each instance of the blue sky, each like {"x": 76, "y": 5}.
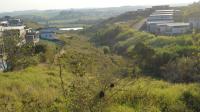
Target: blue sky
{"x": 13, "y": 5}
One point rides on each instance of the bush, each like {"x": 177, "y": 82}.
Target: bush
{"x": 191, "y": 101}
{"x": 182, "y": 70}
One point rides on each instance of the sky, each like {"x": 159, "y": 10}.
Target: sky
{"x": 19, "y": 5}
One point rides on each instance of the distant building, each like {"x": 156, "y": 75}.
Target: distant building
{"x": 140, "y": 10}
{"x": 51, "y": 29}
{"x": 21, "y": 29}
{"x": 161, "y": 7}
{"x": 48, "y": 33}
{"x": 15, "y": 22}
{"x": 160, "y": 17}
{"x": 9, "y": 21}
{"x": 4, "y": 23}
{"x": 173, "y": 28}
{"x": 32, "y": 36}
{"x": 152, "y": 25}
{"x": 164, "y": 22}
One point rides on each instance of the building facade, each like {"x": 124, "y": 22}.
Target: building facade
{"x": 164, "y": 22}
{"x": 32, "y": 36}
{"x": 173, "y": 28}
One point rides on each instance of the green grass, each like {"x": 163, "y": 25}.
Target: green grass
{"x": 38, "y": 89}
{"x": 149, "y": 95}
{"x": 33, "y": 89}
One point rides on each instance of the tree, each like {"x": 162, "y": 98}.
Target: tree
{"x": 185, "y": 69}
{"x": 144, "y": 57}
{"x": 17, "y": 55}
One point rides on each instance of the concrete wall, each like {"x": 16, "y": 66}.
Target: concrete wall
{"x": 20, "y": 28}
{"x": 180, "y": 30}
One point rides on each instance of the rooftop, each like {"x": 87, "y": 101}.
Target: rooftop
{"x": 32, "y": 33}
{"x": 159, "y": 22}
{"x": 13, "y": 28}
{"x": 4, "y": 22}
{"x": 155, "y": 15}
{"x": 175, "y": 24}
{"x": 171, "y": 10}
{"x": 163, "y": 13}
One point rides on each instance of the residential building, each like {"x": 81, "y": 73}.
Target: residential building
{"x": 4, "y": 23}
{"x": 9, "y": 21}
{"x": 161, "y": 7}
{"x": 21, "y": 29}
{"x": 32, "y": 36}
{"x": 15, "y": 22}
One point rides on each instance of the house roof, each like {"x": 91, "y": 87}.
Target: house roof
{"x": 163, "y": 12}
{"x": 175, "y": 24}
{"x": 4, "y": 22}
{"x": 13, "y": 28}
{"x": 167, "y": 14}
{"x": 160, "y": 22}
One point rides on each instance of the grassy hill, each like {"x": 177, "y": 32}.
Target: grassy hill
{"x": 38, "y": 89}
{"x": 79, "y": 77}
{"x": 110, "y": 67}
{"x": 152, "y": 53}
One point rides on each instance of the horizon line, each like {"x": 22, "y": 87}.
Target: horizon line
{"x": 145, "y": 6}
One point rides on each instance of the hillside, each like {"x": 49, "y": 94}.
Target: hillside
{"x": 108, "y": 67}
{"x": 153, "y": 54}
{"x": 38, "y": 89}
{"x": 78, "y": 77}
{"x": 72, "y": 17}
{"x": 192, "y": 10}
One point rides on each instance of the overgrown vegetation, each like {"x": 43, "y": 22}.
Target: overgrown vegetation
{"x": 117, "y": 69}
{"x": 173, "y": 58}
{"x": 82, "y": 78}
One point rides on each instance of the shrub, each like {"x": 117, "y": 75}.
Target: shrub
{"x": 191, "y": 101}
